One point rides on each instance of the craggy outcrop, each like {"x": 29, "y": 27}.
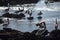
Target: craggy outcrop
{"x": 1, "y": 21}
{"x": 15, "y": 2}
{"x": 17, "y": 16}
{"x": 54, "y": 0}
{"x": 55, "y": 35}
{"x": 10, "y": 34}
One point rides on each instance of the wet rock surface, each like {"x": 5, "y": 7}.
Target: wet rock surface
{"x": 11, "y": 34}
{"x": 17, "y": 16}
{"x": 15, "y": 2}
{"x": 1, "y": 21}
{"x": 55, "y": 35}
{"x": 54, "y": 0}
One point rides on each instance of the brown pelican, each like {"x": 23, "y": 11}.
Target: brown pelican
{"x": 41, "y": 28}
{"x": 20, "y": 10}
{"x": 56, "y": 24}
{"x": 7, "y": 23}
{"x": 30, "y": 15}
{"x": 8, "y": 7}
{"x": 39, "y": 15}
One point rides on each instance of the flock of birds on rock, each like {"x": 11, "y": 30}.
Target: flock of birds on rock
{"x": 20, "y": 15}
{"x": 42, "y": 25}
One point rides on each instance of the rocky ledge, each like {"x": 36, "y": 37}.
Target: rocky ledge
{"x": 54, "y": 0}
{"x": 10, "y": 34}
{"x": 15, "y": 2}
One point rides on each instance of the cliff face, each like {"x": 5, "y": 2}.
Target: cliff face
{"x": 55, "y": 0}
{"x": 14, "y": 2}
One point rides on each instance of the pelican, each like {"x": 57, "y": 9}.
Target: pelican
{"x": 6, "y": 23}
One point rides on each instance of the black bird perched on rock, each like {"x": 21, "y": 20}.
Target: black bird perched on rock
{"x": 40, "y": 13}
{"x": 21, "y": 15}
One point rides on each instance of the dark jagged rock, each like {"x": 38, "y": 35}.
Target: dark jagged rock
{"x": 17, "y": 16}
{"x": 1, "y": 21}
{"x": 14, "y": 16}
{"x": 34, "y": 32}
{"x": 55, "y": 34}
{"x": 30, "y": 18}
{"x": 21, "y": 15}
{"x": 10, "y": 34}
{"x": 45, "y": 33}
{"x": 39, "y": 17}
{"x": 29, "y": 36}
{"x": 15, "y": 2}
{"x": 14, "y": 34}
{"x": 7, "y": 15}
{"x": 53, "y": 1}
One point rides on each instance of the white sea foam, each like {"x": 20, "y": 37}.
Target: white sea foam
{"x": 50, "y": 7}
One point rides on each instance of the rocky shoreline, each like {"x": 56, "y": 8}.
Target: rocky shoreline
{"x": 54, "y": 0}
{"x": 15, "y": 2}
{"x": 11, "y": 34}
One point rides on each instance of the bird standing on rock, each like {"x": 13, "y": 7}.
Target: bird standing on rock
{"x": 56, "y": 24}
{"x": 39, "y": 15}
{"x": 41, "y": 28}
{"x": 30, "y": 15}
{"x": 6, "y": 23}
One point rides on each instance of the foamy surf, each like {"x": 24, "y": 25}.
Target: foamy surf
{"x": 50, "y": 7}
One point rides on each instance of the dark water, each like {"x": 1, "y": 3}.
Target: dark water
{"x": 50, "y": 12}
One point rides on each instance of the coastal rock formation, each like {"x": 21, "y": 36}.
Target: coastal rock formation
{"x": 54, "y": 0}
{"x": 17, "y": 16}
{"x": 11, "y": 34}
{"x": 30, "y": 18}
{"x": 55, "y": 35}
{"x": 15, "y": 2}
{"x": 1, "y": 21}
